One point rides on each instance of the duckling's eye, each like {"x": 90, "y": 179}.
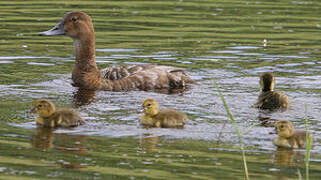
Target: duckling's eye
{"x": 39, "y": 105}
{"x": 281, "y": 126}
{"x": 74, "y": 19}
{"x": 149, "y": 105}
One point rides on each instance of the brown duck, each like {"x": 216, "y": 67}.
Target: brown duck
{"x": 166, "y": 118}
{"x": 268, "y": 98}
{"x": 79, "y": 27}
{"x": 49, "y": 116}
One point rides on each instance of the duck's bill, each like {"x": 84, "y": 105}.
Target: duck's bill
{"x": 273, "y": 132}
{"x": 140, "y": 111}
{"x": 33, "y": 110}
{"x": 57, "y": 30}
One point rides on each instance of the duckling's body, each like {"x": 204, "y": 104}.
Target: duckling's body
{"x": 268, "y": 98}
{"x": 79, "y": 26}
{"x": 288, "y": 136}
{"x": 167, "y": 118}
{"x": 50, "y": 117}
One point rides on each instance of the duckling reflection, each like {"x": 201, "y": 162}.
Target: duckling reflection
{"x": 83, "y": 97}
{"x": 50, "y": 117}
{"x": 288, "y": 136}
{"x": 148, "y": 142}
{"x": 167, "y": 118}
{"x": 268, "y": 98}
{"x": 286, "y": 156}
{"x": 45, "y": 139}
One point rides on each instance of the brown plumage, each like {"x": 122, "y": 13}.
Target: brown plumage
{"x": 50, "y": 117}
{"x": 288, "y": 136}
{"x": 268, "y": 98}
{"x": 167, "y": 118}
{"x": 79, "y": 27}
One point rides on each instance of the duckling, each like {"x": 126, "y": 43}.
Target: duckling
{"x": 167, "y": 118}
{"x": 79, "y": 26}
{"x": 270, "y": 99}
{"x": 50, "y": 117}
{"x": 288, "y": 136}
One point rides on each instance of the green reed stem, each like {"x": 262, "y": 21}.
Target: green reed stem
{"x": 236, "y": 129}
{"x": 308, "y": 144}
{"x": 299, "y": 174}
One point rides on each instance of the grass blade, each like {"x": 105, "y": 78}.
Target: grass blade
{"x": 236, "y": 129}
{"x": 308, "y": 144}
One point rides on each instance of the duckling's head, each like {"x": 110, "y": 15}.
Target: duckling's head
{"x": 150, "y": 107}
{"x": 267, "y": 81}
{"x": 284, "y": 128}
{"x": 43, "y": 107}
{"x": 75, "y": 24}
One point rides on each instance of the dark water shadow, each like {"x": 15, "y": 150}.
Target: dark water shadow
{"x": 45, "y": 139}
{"x": 265, "y": 119}
{"x": 83, "y": 97}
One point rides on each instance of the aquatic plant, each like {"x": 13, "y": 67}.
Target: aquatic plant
{"x": 308, "y": 144}
{"x": 236, "y": 129}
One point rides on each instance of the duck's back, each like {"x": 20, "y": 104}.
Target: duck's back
{"x": 67, "y": 118}
{"x": 145, "y": 77}
{"x": 272, "y": 100}
{"x": 171, "y": 118}
{"x": 299, "y": 139}
{"x": 119, "y": 72}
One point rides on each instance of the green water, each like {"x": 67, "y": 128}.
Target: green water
{"x": 221, "y": 39}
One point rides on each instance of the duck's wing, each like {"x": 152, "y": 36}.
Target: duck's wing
{"x": 119, "y": 72}
{"x": 172, "y": 118}
{"x": 68, "y": 118}
{"x": 272, "y": 100}
{"x": 144, "y": 77}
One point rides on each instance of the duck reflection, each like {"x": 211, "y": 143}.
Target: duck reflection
{"x": 286, "y": 156}
{"x": 266, "y": 121}
{"x": 83, "y": 97}
{"x": 148, "y": 142}
{"x": 45, "y": 139}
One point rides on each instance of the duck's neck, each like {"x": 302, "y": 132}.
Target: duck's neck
{"x": 266, "y": 89}
{"x": 86, "y": 73}
{"x": 85, "y": 54}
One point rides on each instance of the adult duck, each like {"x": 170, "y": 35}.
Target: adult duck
{"x": 79, "y": 26}
{"x": 268, "y": 98}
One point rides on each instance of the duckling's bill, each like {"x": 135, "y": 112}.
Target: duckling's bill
{"x": 32, "y": 110}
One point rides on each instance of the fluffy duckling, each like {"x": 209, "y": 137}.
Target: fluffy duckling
{"x": 50, "y": 117}
{"x": 167, "y": 118}
{"x": 288, "y": 136}
{"x": 270, "y": 99}
{"x": 79, "y": 27}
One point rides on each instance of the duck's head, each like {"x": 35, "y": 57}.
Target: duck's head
{"x": 284, "y": 128}
{"x": 43, "y": 107}
{"x": 267, "y": 81}
{"x": 150, "y": 106}
{"x": 74, "y": 24}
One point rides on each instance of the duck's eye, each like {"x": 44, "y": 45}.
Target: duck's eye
{"x": 74, "y": 19}
{"x": 281, "y": 126}
{"x": 39, "y": 105}
{"x": 149, "y": 105}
